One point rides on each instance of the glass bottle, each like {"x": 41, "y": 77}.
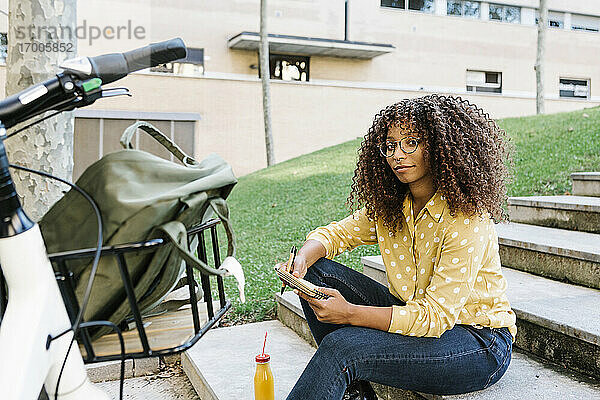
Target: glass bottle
{"x": 263, "y": 379}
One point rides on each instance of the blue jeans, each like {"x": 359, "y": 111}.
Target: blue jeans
{"x": 461, "y": 360}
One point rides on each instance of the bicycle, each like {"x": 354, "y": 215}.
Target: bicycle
{"x": 37, "y": 336}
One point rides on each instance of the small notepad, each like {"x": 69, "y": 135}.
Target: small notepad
{"x": 300, "y": 284}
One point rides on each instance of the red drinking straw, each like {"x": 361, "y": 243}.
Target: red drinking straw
{"x": 264, "y": 343}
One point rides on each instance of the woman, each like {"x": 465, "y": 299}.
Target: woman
{"x": 429, "y": 180}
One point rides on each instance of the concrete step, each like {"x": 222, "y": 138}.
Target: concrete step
{"x": 168, "y": 383}
{"x": 550, "y": 252}
{"x": 134, "y": 368}
{"x": 586, "y": 183}
{"x": 527, "y": 377}
{"x": 221, "y": 365}
{"x": 555, "y": 320}
{"x": 578, "y": 213}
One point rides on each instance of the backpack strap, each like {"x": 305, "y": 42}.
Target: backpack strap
{"x": 219, "y": 205}
{"x": 196, "y": 209}
{"x": 160, "y": 138}
{"x": 176, "y": 232}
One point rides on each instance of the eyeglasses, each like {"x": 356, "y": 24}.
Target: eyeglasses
{"x": 407, "y": 145}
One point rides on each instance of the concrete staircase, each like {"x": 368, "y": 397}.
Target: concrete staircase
{"x": 221, "y": 365}
{"x": 554, "y": 288}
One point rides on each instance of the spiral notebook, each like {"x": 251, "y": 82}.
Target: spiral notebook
{"x": 302, "y": 285}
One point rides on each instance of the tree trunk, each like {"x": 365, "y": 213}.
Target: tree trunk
{"x": 539, "y": 62}
{"x": 47, "y": 146}
{"x": 265, "y": 73}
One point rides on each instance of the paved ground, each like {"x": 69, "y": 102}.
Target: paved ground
{"x": 169, "y": 384}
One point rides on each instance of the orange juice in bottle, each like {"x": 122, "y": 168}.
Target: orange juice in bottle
{"x": 263, "y": 379}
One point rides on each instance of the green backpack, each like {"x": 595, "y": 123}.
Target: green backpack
{"x": 140, "y": 197}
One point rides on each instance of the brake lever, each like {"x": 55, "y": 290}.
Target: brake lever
{"x": 112, "y": 92}
{"x": 90, "y": 96}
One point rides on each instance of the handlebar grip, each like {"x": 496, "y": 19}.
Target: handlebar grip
{"x": 155, "y": 54}
{"x": 112, "y": 67}
{"x": 109, "y": 67}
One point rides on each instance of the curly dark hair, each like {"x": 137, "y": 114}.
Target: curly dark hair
{"x": 468, "y": 154}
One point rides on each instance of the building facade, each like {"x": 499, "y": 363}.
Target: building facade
{"x": 334, "y": 65}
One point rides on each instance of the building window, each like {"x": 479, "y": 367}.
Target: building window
{"x": 484, "y": 81}
{"x": 499, "y": 12}
{"x": 192, "y": 64}
{"x": 555, "y": 20}
{"x": 394, "y": 4}
{"x": 289, "y": 68}
{"x": 585, "y": 23}
{"x": 3, "y": 48}
{"x": 469, "y": 9}
{"x": 574, "y": 88}
{"x": 416, "y": 5}
{"x": 421, "y": 5}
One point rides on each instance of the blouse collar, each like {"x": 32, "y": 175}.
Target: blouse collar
{"x": 435, "y": 206}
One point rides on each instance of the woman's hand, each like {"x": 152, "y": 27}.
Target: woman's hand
{"x": 334, "y": 310}
{"x": 300, "y": 267}
{"x": 310, "y": 252}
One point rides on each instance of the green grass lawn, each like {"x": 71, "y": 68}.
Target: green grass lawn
{"x": 275, "y": 208}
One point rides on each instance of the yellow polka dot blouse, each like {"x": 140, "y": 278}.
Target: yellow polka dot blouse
{"x": 446, "y": 269}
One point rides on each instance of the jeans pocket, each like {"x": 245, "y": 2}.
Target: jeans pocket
{"x": 485, "y": 335}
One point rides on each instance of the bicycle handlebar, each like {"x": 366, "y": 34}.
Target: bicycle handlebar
{"x": 108, "y": 67}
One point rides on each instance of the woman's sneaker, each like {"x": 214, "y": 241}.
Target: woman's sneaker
{"x": 359, "y": 390}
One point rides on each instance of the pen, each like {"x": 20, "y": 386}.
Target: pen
{"x": 290, "y": 265}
